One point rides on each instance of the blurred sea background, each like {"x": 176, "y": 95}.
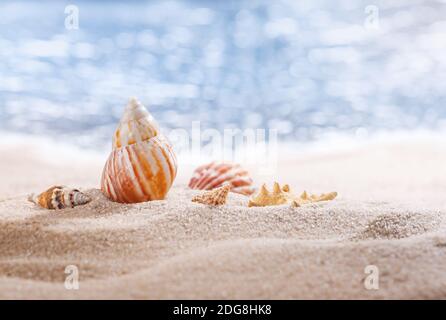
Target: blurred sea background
{"x": 306, "y": 68}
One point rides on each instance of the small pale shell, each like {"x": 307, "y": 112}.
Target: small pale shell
{"x": 214, "y": 175}
{"x": 59, "y": 197}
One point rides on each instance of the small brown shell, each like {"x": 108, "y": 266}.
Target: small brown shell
{"x": 215, "y": 174}
{"x": 59, "y": 197}
{"x": 216, "y": 197}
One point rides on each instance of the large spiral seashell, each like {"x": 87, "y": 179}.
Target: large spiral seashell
{"x": 214, "y": 175}
{"x": 59, "y": 197}
{"x": 142, "y": 164}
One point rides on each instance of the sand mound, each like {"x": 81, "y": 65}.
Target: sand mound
{"x": 390, "y": 215}
{"x": 186, "y": 249}
{"x": 399, "y": 225}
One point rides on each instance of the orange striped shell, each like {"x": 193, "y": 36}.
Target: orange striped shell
{"x": 214, "y": 175}
{"x": 142, "y": 165}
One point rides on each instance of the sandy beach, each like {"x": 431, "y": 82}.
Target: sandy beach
{"x": 390, "y": 213}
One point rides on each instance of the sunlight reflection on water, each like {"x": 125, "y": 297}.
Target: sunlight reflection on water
{"x": 307, "y": 68}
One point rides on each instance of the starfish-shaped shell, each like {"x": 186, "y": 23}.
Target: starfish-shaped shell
{"x": 305, "y": 198}
{"x": 215, "y": 197}
{"x": 285, "y": 196}
{"x": 266, "y": 198}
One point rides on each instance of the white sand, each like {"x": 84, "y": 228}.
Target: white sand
{"x": 391, "y": 213}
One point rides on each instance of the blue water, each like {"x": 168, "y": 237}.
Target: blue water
{"x": 306, "y": 68}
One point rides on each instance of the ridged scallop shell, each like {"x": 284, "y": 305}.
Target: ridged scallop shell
{"x": 142, "y": 165}
{"x": 59, "y": 197}
{"x": 215, "y": 174}
{"x": 283, "y": 195}
{"x": 215, "y": 197}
